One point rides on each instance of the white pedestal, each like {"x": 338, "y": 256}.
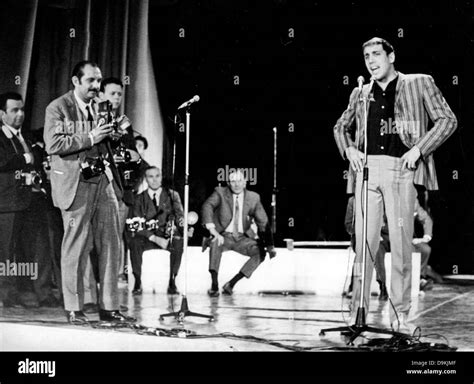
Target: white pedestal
{"x": 319, "y": 271}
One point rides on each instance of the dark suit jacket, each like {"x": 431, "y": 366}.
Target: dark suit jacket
{"x": 12, "y": 196}
{"x": 169, "y": 204}
{"x": 219, "y": 206}
{"x": 67, "y": 140}
{"x": 417, "y": 101}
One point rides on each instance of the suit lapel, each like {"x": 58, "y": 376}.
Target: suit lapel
{"x": 76, "y": 114}
{"x": 246, "y": 208}
{"x": 230, "y": 200}
{"x": 399, "y": 89}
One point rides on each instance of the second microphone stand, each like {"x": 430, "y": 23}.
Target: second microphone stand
{"x": 184, "y": 311}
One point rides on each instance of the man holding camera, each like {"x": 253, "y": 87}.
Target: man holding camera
{"x": 15, "y": 158}
{"x": 86, "y": 187}
{"x": 164, "y": 206}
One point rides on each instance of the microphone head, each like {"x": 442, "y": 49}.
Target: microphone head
{"x": 196, "y": 98}
{"x": 192, "y": 218}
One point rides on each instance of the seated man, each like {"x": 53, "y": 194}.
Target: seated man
{"x": 164, "y": 205}
{"x": 228, "y": 214}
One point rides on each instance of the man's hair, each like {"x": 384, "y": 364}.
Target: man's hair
{"x": 144, "y": 140}
{"x": 387, "y": 47}
{"x": 78, "y": 69}
{"x": 237, "y": 172}
{"x": 109, "y": 80}
{"x": 152, "y": 167}
{"x": 4, "y": 97}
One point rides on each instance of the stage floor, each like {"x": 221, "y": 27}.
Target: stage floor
{"x": 295, "y": 321}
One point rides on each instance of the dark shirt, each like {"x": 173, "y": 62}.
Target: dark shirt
{"x": 383, "y": 138}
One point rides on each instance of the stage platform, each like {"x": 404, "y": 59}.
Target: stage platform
{"x": 283, "y": 306}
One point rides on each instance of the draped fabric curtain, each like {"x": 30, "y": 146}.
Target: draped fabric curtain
{"x": 41, "y": 41}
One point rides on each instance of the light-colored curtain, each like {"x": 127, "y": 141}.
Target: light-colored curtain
{"x": 43, "y": 39}
{"x": 142, "y": 98}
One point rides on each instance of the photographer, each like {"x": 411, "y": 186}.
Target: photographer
{"x": 15, "y": 158}
{"x": 86, "y": 187}
{"x": 128, "y": 163}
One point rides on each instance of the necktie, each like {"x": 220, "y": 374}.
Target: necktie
{"x": 154, "y": 201}
{"x": 25, "y": 146}
{"x": 89, "y": 114}
{"x": 235, "y": 228}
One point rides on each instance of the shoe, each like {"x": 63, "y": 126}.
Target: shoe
{"x": 123, "y": 278}
{"x": 347, "y": 294}
{"x": 50, "y": 302}
{"x": 383, "y": 292}
{"x": 137, "y": 291}
{"x": 115, "y": 317}
{"x": 172, "y": 290}
{"x": 227, "y": 289}
{"x": 402, "y": 325}
{"x": 431, "y": 273}
{"x": 76, "y": 317}
{"x": 91, "y": 308}
{"x": 213, "y": 292}
{"x": 426, "y": 284}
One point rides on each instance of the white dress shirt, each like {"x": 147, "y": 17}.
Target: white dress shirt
{"x": 151, "y": 192}
{"x": 17, "y": 133}
{"x": 230, "y": 227}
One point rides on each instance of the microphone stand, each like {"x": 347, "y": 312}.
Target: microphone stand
{"x": 184, "y": 311}
{"x": 274, "y": 180}
{"x": 360, "y": 326}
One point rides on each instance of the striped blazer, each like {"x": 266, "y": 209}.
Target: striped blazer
{"x": 417, "y": 101}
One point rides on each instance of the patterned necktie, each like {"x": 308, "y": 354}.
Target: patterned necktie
{"x": 235, "y": 228}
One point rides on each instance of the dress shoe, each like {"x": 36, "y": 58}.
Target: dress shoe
{"x": 137, "y": 291}
{"x": 347, "y": 294}
{"x": 172, "y": 290}
{"x": 383, "y": 292}
{"x": 227, "y": 289}
{"x": 115, "y": 317}
{"x": 76, "y": 317}
{"x": 91, "y": 308}
{"x": 50, "y": 302}
{"x": 213, "y": 292}
{"x": 426, "y": 284}
{"x": 437, "y": 278}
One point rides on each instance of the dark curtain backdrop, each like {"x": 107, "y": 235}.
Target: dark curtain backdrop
{"x": 298, "y": 79}
{"x": 43, "y": 39}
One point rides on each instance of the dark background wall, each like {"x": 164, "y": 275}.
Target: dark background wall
{"x": 292, "y": 59}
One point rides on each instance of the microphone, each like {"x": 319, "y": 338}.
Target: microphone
{"x": 371, "y": 85}
{"x": 186, "y": 104}
{"x": 360, "y": 81}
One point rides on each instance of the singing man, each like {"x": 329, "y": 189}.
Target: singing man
{"x": 399, "y": 154}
